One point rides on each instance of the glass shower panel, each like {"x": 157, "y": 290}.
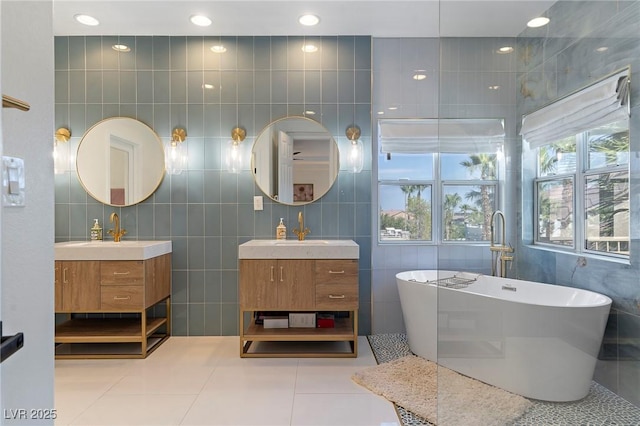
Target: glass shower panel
{"x": 477, "y": 80}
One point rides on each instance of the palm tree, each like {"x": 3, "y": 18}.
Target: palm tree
{"x": 419, "y": 189}
{"x": 415, "y": 210}
{"x": 549, "y": 155}
{"x": 451, "y": 201}
{"x": 611, "y": 145}
{"x": 473, "y": 213}
{"x": 613, "y": 190}
{"x": 419, "y": 209}
{"x": 407, "y": 190}
{"x": 486, "y": 164}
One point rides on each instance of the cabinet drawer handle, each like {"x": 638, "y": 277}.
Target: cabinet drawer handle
{"x": 121, "y": 297}
{"x": 281, "y": 278}
{"x": 122, "y": 273}
{"x": 272, "y": 274}
{"x": 64, "y": 276}
{"x": 336, "y": 272}
{"x": 342, "y": 296}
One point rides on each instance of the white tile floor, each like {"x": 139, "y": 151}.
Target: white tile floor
{"x": 203, "y": 381}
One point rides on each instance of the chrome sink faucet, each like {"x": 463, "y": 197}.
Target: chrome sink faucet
{"x": 302, "y": 232}
{"x": 116, "y": 232}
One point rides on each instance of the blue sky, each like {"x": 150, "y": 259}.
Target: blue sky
{"x": 417, "y": 167}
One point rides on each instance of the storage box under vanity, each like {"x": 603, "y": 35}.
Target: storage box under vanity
{"x": 280, "y": 321}
{"x": 302, "y": 320}
{"x": 325, "y": 320}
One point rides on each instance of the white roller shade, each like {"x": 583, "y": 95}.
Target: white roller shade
{"x": 599, "y": 104}
{"x": 416, "y": 136}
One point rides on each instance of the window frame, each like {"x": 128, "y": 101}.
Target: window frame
{"x": 437, "y": 195}
{"x": 403, "y": 182}
{"x": 536, "y": 204}
{"x": 495, "y": 184}
{"x": 579, "y": 176}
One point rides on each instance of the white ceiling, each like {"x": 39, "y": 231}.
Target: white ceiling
{"x": 378, "y": 18}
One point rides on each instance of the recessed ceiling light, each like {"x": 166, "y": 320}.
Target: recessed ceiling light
{"x": 505, "y": 49}
{"x": 380, "y": 112}
{"x": 218, "y": 48}
{"x": 538, "y": 22}
{"x": 309, "y": 112}
{"x": 200, "y": 20}
{"x": 496, "y": 87}
{"x": 309, "y": 48}
{"x": 86, "y": 20}
{"x": 419, "y": 75}
{"x": 602, "y": 49}
{"x": 121, "y": 48}
{"x": 392, "y": 108}
{"x": 208, "y": 86}
{"x": 309, "y": 20}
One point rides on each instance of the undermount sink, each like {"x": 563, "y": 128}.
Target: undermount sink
{"x": 295, "y": 249}
{"x": 301, "y": 243}
{"x": 110, "y": 250}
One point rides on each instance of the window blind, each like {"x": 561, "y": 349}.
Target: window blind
{"x": 604, "y": 102}
{"x": 419, "y": 136}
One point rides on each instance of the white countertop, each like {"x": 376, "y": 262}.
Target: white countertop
{"x": 294, "y": 249}
{"x": 109, "y": 250}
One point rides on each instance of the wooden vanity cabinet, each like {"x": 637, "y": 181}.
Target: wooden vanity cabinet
{"x": 77, "y": 285}
{"x": 336, "y": 285}
{"x": 276, "y": 284}
{"x": 298, "y": 285}
{"x": 130, "y": 288}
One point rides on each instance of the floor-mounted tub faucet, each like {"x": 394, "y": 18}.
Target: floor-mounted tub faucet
{"x": 501, "y": 249}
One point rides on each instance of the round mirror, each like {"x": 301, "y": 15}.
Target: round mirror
{"x": 120, "y": 161}
{"x": 295, "y": 160}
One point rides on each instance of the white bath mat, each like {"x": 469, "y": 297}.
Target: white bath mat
{"x": 440, "y": 395}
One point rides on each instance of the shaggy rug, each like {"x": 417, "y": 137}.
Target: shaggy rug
{"x": 439, "y": 395}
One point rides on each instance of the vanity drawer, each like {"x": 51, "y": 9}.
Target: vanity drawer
{"x": 336, "y": 296}
{"x": 342, "y": 271}
{"x": 121, "y": 297}
{"x": 122, "y": 272}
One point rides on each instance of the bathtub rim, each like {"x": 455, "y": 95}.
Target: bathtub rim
{"x": 606, "y": 300}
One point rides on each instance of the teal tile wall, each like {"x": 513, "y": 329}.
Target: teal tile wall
{"x": 205, "y": 211}
{"x": 553, "y": 62}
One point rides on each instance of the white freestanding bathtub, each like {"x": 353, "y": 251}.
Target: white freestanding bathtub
{"x": 536, "y": 340}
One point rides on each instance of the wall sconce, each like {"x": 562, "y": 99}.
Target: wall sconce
{"x": 355, "y": 156}
{"x": 60, "y": 151}
{"x": 175, "y": 153}
{"x": 233, "y": 156}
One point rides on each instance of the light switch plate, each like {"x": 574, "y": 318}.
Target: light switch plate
{"x": 258, "y": 203}
{"x": 13, "y": 182}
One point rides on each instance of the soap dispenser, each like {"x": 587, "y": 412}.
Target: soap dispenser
{"x": 281, "y": 231}
{"x": 96, "y": 231}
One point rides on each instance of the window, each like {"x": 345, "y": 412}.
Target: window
{"x": 430, "y": 196}
{"x": 581, "y": 187}
{"x": 405, "y": 193}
